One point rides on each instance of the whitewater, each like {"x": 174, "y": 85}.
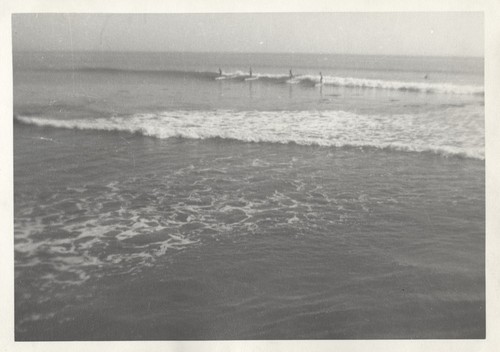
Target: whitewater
{"x": 422, "y": 86}
{"x": 450, "y": 132}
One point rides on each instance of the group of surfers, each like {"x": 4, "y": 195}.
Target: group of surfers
{"x": 250, "y": 73}
{"x": 291, "y": 75}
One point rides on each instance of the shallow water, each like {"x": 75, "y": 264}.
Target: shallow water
{"x": 233, "y": 241}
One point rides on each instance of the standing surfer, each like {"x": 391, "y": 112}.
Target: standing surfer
{"x": 320, "y": 78}
{"x": 220, "y": 72}
{"x": 291, "y": 74}
{"x": 250, "y": 72}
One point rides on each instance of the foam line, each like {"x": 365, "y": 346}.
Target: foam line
{"x": 453, "y": 131}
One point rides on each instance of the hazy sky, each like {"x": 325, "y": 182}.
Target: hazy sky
{"x": 412, "y": 33}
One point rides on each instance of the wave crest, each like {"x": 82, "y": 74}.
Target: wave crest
{"x": 309, "y": 80}
{"x": 454, "y": 131}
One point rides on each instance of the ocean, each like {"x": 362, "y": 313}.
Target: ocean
{"x": 156, "y": 199}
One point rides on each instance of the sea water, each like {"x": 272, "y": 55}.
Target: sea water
{"x": 157, "y": 199}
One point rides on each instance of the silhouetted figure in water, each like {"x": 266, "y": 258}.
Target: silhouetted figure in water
{"x": 426, "y": 76}
{"x": 291, "y": 74}
{"x": 220, "y": 72}
{"x": 250, "y": 72}
{"x": 320, "y": 78}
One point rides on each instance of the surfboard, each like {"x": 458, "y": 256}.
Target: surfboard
{"x": 251, "y": 78}
{"x": 220, "y": 77}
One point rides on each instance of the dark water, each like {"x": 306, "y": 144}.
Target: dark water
{"x": 157, "y": 202}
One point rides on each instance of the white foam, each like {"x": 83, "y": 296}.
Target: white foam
{"x": 353, "y": 82}
{"x": 454, "y": 131}
{"x": 424, "y": 87}
{"x": 74, "y": 251}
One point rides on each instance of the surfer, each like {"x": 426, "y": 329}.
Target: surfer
{"x": 426, "y": 76}
{"x": 250, "y": 72}
{"x": 220, "y": 72}
{"x": 320, "y": 78}
{"x": 291, "y": 74}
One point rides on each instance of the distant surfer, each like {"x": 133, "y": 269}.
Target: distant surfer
{"x": 291, "y": 74}
{"x": 250, "y": 72}
{"x": 220, "y": 72}
{"x": 426, "y": 76}
{"x": 320, "y": 78}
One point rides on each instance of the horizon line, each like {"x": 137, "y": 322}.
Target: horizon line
{"x": 239, "y": 52}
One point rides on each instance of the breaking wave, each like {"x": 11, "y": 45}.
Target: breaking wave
{"x": 454, "y": 131}
{"x": 308, "y": 80}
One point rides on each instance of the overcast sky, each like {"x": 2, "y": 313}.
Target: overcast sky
{"x": 417, "y": 33}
